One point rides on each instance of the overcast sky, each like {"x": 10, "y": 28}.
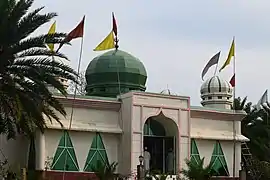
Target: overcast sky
{"x": 175, "y": 39}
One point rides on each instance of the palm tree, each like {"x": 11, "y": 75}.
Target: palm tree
{"x": 26, "y": 67}
{"x": 81, "y": 85}
{"x": 197, "y": 171}
{"x": 239, "y": 104}
{"x": 256, "y": 127}
{"x": 104, "y": 172}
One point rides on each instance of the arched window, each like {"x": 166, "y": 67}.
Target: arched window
{"x": 219, "y": 161}
{"x": 153, "y": 128}
{"x": 97, "y": 154}
{"x": 65, "y": 157}
{"x": 194, "y": 155}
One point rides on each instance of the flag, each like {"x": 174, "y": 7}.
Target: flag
{"x": 212, "y": 61}
{"x": 107, "y": 43}
{"x": 75, "y": 33}
{"x": 230, "y": 55}
{"x": 264, "y": 99}
{"x": 114, "y": 25}
{"x": 52, "y": 31}
{"x": 232, "y": 81}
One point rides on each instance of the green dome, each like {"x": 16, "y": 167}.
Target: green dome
{"x": 104, "y": 72}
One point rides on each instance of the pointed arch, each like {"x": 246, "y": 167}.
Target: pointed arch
{"x": 65, "y": 158}
{"x": 153, "y": 128}
{"x": 194, "y": 155}
{"x": 97, "y": 154}
{"x": 219, "y": 161}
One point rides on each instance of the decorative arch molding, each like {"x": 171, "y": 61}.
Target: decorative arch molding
{"x": 160, "y": 112}
{"x": 195, "y": 154}
{"x": 97, "y": 155}
{"x": 170, "y": 122}
{"x": 218, "y": 160}
{"x": 65, "y": 157}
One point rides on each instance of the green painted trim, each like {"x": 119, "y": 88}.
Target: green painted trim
{"x": 194, "y": 155}
{"x": 65, "y": 157}
{"x": 97, "y": 154}
{"x": 219, "y": 161}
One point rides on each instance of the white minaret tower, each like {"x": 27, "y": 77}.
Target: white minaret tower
{"x": 216, "y": 93}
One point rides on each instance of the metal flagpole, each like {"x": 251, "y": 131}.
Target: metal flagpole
{"x": 73, "y": 101}
{"x": 118, "y": 75}
{"x": 216, "y": 69}
{"x": 75, "y": 91}
{"x": 234, "y": 128}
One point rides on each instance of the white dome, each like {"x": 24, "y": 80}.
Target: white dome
{"x": 216, "y": 85}
{"x": 216, "y": 92}
{"x": 166, "y": 91}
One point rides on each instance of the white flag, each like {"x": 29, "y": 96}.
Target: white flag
{"x": 263, "y": 100}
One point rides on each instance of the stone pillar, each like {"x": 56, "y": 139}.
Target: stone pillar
{"x": 40, "y": 151}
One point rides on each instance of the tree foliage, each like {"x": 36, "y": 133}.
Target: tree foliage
{"x": 26, "y": 67}
{"x": 256, "y": 127}
{"x": 197, "y": 171}
{"x": 80, "y": 85}
{"x": 104, "y": 172}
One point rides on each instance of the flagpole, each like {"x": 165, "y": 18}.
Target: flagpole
{"x": 75, "y": 91}
{"x": 73, "y": 100}
{"x": 118, "y": 74}
{"x": 234, "y": 128}
{"x": 216, "y": 69}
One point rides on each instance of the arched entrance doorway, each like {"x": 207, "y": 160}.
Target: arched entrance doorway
{"x": 160, "y": 140}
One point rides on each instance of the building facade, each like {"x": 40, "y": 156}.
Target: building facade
{"x": 117, "y": 122}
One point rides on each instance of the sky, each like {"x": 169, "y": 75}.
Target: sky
{"x": 175, "y": 39}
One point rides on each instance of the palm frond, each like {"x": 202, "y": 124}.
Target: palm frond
{"x": 40, "y": 52}
{"x": 27, "y": 67}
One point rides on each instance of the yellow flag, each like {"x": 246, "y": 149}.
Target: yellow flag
{"x": 230, "y": 55}
{"x": 52, "y": 31}
{"x": 107, "y": 43}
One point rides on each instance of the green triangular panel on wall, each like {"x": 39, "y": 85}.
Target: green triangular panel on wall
{"x": 195, "y": 155}
{"x": 219, "y": 161}
{"x": 97, "y": 154}
{"x": 65, "y": 158}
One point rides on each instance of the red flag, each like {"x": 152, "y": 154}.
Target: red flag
{"x": 75, "y": 33}
{"x": 114, "y": 25}
{"x": 232, "y": 81}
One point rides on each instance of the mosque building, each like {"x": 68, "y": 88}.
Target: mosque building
{"x": 117, "y": 121}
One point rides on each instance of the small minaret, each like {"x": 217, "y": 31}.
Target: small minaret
{"x": 216, "y": 93}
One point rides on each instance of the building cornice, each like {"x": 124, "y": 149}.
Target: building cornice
{"x": 89, "y": 103}
{"x": 222, "y": 115}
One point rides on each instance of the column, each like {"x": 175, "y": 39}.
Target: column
{"x": 40, "y": 151}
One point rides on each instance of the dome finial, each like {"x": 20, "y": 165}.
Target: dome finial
{"x": 115, "y": 30}
{"x": 116, "y": 40}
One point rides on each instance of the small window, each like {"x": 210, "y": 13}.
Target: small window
{"x": 102, "y": 89}
{"x": 203, "y": 98}
{"x": 228, "y": 98}
{"x": 219, "y": 97}
{"x": 209, "y": 97}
